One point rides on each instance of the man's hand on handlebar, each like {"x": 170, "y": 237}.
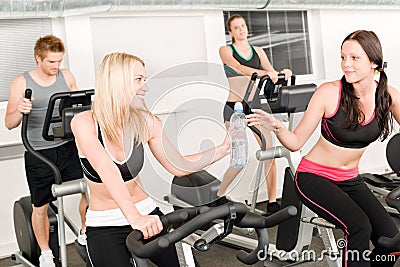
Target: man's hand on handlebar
{"x": 24, "y": 105}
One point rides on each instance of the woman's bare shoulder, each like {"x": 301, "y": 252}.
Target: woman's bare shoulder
{"x": 226, "y": 49}
{"x": 83, "y": 120}
{"x": 329, "y": 88}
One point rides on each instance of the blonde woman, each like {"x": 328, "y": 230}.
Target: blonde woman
{"x": 110, "y": 139}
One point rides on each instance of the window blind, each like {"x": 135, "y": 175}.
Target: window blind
{"x": 283, "y": 35}
{"x": 17, "y": 40}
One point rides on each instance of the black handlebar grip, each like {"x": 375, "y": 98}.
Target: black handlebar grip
{"x": 193, "y": 223}
{"x": 250, "y": 87}
{"x": 175, "y": 217}
{"x": 281, "y": 76}
{"x": 261, "y": 224}
{"x": 389, "y": 242}
{"x": 182, "y": 215}
{"x": 280, "y": 216}
{"x": 134, "y": 240}
{"x": 28, "y": 93}
{"x": 250, "y": 258}
{"x": 137, "y": 234}
{"x": 392, "y": 199}
{"x": 259, "y": 221}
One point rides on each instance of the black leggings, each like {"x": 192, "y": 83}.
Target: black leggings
{"x": 352, "y": 207}
{"x": 106, "y": 247}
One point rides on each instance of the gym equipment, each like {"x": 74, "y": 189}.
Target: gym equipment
{"x": 201, "y": 188}
{"x": 69, "y": 104}
{"x": 382, "y": 184}
{"x": 393, "y": 201}
{"x": 294, "y": 234}
{"x": 192, "y": 219}
{"x": 393, "y": 197}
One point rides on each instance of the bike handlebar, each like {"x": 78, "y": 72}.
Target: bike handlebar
{"x": 392, "y": 199}
{"x": 28, "y": 146}
{"x": 194, "y": 218}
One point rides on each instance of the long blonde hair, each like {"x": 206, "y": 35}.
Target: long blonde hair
{"x": 111, "y": 108}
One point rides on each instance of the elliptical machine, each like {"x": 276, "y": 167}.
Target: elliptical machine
{"x": 69, "y": 104}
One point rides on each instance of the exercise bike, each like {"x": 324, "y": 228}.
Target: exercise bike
{"x": 201, "y": 188}
{"x": 189, "y": 220}
{"x": 392, "y": 200}
{"x": 382, "y": 184}
{"x": 295, "y": 234}
{"x": 68, "y": 104}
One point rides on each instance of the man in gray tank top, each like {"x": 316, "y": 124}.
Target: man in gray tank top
{"x": 45, "y": 80}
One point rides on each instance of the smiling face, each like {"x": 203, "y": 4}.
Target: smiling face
{"x": 238, "y": 29}
{"x": 355, "y": 63}
{"x": 138, "y": 88}
{"x": 139, "y": 78}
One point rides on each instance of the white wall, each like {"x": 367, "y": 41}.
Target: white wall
{"x": 171, "y": 39}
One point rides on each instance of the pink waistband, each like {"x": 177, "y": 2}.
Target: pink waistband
{"x": 334, "y": 174}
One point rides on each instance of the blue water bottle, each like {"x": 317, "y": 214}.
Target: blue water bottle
{"x": 239, "y": 148}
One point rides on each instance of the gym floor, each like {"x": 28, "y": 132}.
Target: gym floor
{"x": 218, "y": 255}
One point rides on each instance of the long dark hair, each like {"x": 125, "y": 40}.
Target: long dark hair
{"x": 383, "y": 101}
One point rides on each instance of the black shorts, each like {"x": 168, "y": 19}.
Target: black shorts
{"x": 40, "y": 177}
{"x": 228, "y": 110}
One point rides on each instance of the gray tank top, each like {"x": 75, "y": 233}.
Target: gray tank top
{"x": 39, "y": 108}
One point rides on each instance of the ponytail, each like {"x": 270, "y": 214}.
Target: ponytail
{"x": 383, "y": 104}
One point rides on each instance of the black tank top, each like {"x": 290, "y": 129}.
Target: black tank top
{"x": 253, "y": 62}
{"x": 129, "y": 168}
{"x": 333, "y": 129}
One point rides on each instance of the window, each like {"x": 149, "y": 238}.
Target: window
{"x": 17, "y": 40}
{"x": 283, "y": 35}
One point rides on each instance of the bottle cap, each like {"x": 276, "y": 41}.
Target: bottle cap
{"x": 238, "y": 107}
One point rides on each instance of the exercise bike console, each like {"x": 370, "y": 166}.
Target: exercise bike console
{"x": 280, "y": 97}
{"x": 70, "y": 103}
